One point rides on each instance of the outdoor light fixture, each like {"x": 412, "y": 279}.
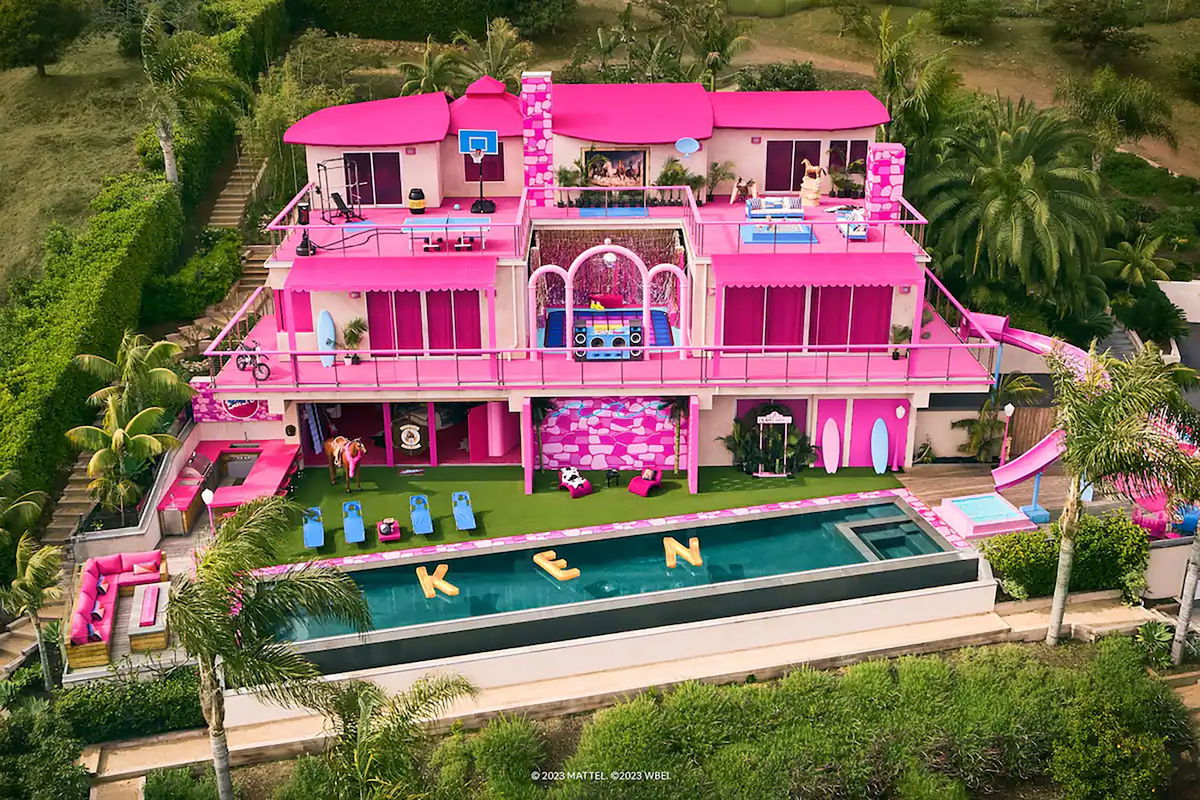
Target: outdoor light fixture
{"x": 755, "y": 140}
{"x": 355, "y": 295}
{"x": 901, "y": 411}
{"x": 207, "y": 496}
{"x": 1005, "y": 442}
{"x": 305, "y": 248}
{"x": 1009, "y": 409}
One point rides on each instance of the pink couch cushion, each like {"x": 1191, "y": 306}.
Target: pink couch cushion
{"x": 138, "y": 578}
{"x": 128, "y": 560}
{"x": 609, "y": 300}
{"x": 149, "y": 607}
{"x": 109, "y": 565}
{"x": 79, "y": 624}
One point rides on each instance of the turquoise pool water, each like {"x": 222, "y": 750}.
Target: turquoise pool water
{"x": 985, "y": 508}
{"x": 629, "y": 565}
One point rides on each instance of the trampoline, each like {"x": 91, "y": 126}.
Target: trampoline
{"x": 556, "y": 324}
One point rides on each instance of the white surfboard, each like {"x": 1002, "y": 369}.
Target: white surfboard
{"x": 326, "y": 337}
{"x": 831, "y": 446}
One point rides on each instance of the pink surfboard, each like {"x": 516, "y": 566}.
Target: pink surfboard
{"x": 831, "y": 447}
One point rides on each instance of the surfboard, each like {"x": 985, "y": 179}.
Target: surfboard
{"x": 879, "y": 446}
{"x": 326, "y": 337}
{"x": 831, "y": 446}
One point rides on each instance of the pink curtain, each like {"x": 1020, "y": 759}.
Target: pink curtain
{"x": 302, "y": 312}
{"x": 467, "y": 331}
{"x": 280, "y": 310}
{"x": 407, "y": 308}
{"x": 785, "y": 315}
{"x": 439, "y": 314}
{"x": 380, "y": 328}
{"x": 829, "y": 321}
{"x": 870, "y": 322}
{"x": 743, "y": 315}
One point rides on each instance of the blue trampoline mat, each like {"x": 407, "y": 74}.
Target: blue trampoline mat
{"x": 615, "y": 212}
{"x": 752, "y": 235}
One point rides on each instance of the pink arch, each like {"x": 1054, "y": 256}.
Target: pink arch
{"x": 685, "y": 298}
{"x": 548, "y": 269}
{"x": 621, "y": 251}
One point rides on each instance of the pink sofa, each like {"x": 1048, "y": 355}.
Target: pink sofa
{"x": 645, "y": 481}
{"x": 117, "y": 570}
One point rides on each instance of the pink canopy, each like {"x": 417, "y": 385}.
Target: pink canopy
{"x": 808, "y": 111}
{"x": 395, "y": 273}
{"x": 487, "y": 105}
{"x": 376, "y": 123}
{"x": 633, "y": 113}
{"x": 817, "y": 269}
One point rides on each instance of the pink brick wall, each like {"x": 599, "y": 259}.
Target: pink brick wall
{"x": 206, "y": 408}
{"x": 611, "y": 432}
{"x": 885, "y": 180}
{"x": 537, "y": 137}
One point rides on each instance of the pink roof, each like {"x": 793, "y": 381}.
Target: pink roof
{"x": 805, "y": 111}
{"x": 487, "y": 105}
{"x": 376, "y": 123}
{"x": 396, "y": 273}
{"x": 636, "y": 113}
{"x": 817, "y": 269}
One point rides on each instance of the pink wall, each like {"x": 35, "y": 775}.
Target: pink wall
{"x": 504, "y": 429}
{"x": 885, "y": 180}
{"x": 206, "y": 408}
{"x": 610, "y": 432}
{"x": 864, "y": 415}
{"x": 537, "y": 137}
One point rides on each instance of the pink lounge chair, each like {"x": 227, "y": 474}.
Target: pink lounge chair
{"x": 575, "y": 484}
{"x": 642, "y": 484}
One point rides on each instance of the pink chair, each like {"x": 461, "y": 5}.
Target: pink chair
{"x": 642, "y": 484}
{"x": 575, "y": 484}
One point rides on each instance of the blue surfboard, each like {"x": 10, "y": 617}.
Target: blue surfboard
{"x": 326, "y": 337}
{"x": 879, "y": 446}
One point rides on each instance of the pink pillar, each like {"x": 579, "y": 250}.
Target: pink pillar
{"x": 885, "y": 180}
{"x": 491, "y": 311}
{"x": 387, "y": 434}
{"x": 693, "y": 444}
{"x": 537, "y": 138}
{"x": 289, "y": 308}
{"x": 527, "y": 443}
{"x": 431, "y": 423}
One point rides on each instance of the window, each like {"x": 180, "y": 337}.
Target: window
{"x": 373, "y": 179}
{"x": 492, "y": 166}
{"x": 853, "y": 152}
{"x": 785, "y": 163}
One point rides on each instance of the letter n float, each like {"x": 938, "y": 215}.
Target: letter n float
{"x": 674, "y": 549}
{"x": 430, "y": 584}
{"x": 556, "y": 567}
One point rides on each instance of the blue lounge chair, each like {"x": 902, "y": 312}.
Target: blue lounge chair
{"x": 352, "y": 522}
{"x": 418, "y": 511}
{"x": 314, "y": 527}
{"x": 464, "y": 515}
{"x": 1191, "y": 517}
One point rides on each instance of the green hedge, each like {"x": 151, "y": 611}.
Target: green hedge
{"x": 120, "y": 708}
{"x": 201, "y": 147}
{"x": 89, "y": 294}
{"x": 38, "y": 758}
{"x": 413, "y": 20}
{"x": 180, "y": 784}
{"x": 203, "y": 280}
{"x": 1111, "y": 552}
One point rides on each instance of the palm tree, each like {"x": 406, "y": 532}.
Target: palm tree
{"x": 18, "y": 512}
{"x": 39, "y": 569}
{"x": 1010, "y": 198}
{"x": 502, "y": 54}
{"x": 541, "y": 408}
{"x": 140, "y": 376}
{"x": 122, "y": 447}
{"x": 714, "y": 42}
{"x": 225, "y": 616}
{"x": 377, "y": 739}
{"x": 439, "y": 70}
{"x": 1137, "y": 262}
{"x": 985, "y": 429}
{"x": 1118, "y": 109}
{"x": 185, "y": 75}
{"x": 1118, "y": 419}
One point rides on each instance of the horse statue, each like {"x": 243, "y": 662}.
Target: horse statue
{"x": 345, "y": 453}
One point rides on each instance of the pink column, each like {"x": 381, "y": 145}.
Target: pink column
{"x": 527, "y": 443}
{"x": 431, "y": 423}
{"x": 537, "y": 137}
{"x": 289, "y": 307}
{"x": 693, "y": 444}
{"x": 387, "y": 434}
{"x": 885, "y": 180}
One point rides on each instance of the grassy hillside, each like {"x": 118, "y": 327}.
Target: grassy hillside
{"x": 61, "y": 135}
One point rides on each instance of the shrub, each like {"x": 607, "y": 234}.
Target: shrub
{"x": 120, "y": 707}
{"x": 1111, "y": 552}
{"x": 505, "y": 752}
{"x": 778, "y": 76}
{"x": 249, "y": 32}
{"x": 180, "y": 784}
{"x": 415, "y": 19}
{"x": 38, "y": 758}
{"x": 1189, "y": 74}
{"x": 310, "y": 778}
{"x": 203, "y": 280}
{"x": 1098, "y": 25}
{"x": 969, "y": 19}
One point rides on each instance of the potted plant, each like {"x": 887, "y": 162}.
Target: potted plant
{"x": 718, "y": 172}
{"x": 901, "y": 334}
{"x": 352, "y": 336}
{"x": 926, "y": 318}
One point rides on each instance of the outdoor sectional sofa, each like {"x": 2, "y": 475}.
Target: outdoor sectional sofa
{"x": 120, "y": 574}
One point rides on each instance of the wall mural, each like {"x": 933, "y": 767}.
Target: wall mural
{"x": 207, "y": 408}
{"x": 612, "y": 433}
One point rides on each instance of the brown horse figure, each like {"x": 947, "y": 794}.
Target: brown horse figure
{"x": 345, "y": 453}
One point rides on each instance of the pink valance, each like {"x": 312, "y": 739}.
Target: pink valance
{"x": 331, "y": 273}
{"x": 817, "y": 269}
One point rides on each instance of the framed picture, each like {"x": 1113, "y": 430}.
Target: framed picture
{"x": 615, "y": 167}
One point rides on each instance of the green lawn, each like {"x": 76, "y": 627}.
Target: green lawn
{"x": 502, "y": 509}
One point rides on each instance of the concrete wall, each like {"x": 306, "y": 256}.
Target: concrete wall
{"x": 936, "y": 426}
{"x": 1168, "y": 562}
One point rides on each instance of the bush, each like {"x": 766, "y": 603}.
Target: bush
{"x": 37, "y": 758}
{"x": 90, "y": 293}
{"x": 180, "y": 784}
{"x": 201, "y": 147}
{"x": 120, "y": 708}
{"x": 968, "y": 19}
{"x": 250, "y": 32}
{"x": 1111, "y": 552}
{"x": 311, "y": 778}
{"x": 1098, "y": 25}
{"x": 203, "y": 280}
{"x": 1154, "y": 317}
{"x": 505, "y": 752}
{"x": 1189, "y": 75}
{"x": 415, "y": 19}
{"x": 778, "y": 76}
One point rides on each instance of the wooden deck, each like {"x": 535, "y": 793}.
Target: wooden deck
{"x": 934, "y": 482}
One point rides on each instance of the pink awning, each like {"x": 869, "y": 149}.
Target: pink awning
{"x": 397, "y": 273}
{"x": 632, "y": 113}
{"x": 376, "y": 123}
{"x": 817, "y": 269}
{"x": 488, "y": 106}
{"x": 798, "y": 111}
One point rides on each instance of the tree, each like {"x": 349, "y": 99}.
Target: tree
{"x": 439, "y": 70}
{"x": 225, "y": 616}
{"x": 1099, "y": 25}
{"x": 185, "y": 75}
{"x": 139, "y": 377}
{"x": 18, "y": 512}
{"x": 34, "y": 33}
{"x": 1118, "y": 420}
{"x": 984, "y": 431}
{"x": 1136, "y": 262}
{"x": 1118, "y": 110}
{"x": 502, "y": 54}
{"x": 39, "y": 569}
{"x": 967, "y": 18}
{"x": 378, "y": 739}
{"x": 853, "y": 18}
{"x": 714, "y": 38}
{"x": 122, "y": 446}
{"x": 778, "y": 76}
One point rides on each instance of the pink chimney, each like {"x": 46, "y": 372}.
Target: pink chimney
{"x": 537, "y": 137}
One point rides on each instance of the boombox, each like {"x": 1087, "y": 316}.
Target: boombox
{"x": 624, "y": 344}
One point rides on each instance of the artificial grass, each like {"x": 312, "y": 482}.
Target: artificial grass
{"x": 502, "y": 508}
